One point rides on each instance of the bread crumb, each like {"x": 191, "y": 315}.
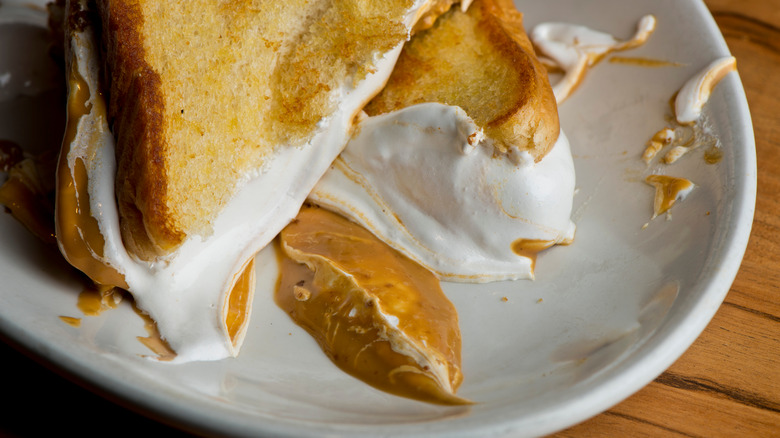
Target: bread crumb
{"x": 301, "y": 294}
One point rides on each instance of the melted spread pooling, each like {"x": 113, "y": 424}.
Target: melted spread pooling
{"x": 531, "y": 248}
{"x": 376, "y": 314}
{"x": 154, "y": 341}
{"x": 93, "y": 301}
{"x": 713, "y": 155}
{"x": 78, "y": 233}
{"x": 642, "y": 62}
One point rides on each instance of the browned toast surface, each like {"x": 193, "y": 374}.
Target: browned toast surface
{"x": 482, "y": 61}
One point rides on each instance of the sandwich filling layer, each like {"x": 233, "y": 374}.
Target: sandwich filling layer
{"x": 378, "y": 315}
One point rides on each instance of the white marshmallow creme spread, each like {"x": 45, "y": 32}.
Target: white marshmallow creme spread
{"x": 427, "y": 182}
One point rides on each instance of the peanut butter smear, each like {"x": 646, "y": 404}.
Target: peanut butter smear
{"x": 239, "y": 302}
{"x": 668, "y": 190}
{"x": 154, "y": 341}
{"x": 77, "y": 231}
{"x": 531, "y": 248}
{"x": 379, "y": 316}
{"x": 713, "y": 155}
{"x": 94, "y": 300}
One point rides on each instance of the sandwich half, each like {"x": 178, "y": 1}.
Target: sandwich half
{"x": 195, "y": 131}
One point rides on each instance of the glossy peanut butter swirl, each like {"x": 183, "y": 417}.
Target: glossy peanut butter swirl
{"x": 78, "y": 233}
{"x": 379, "y": 316}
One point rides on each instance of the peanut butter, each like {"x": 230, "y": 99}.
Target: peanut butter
{"x": 379, "y": 316}
{"x": 530, "y": 248}
{"x": 77, "y": 231}
{"x": 668, "y": 190}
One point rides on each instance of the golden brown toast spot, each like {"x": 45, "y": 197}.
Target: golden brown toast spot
{"x": 78, "y": 233}
{"x": 339, "y": 43}
{"x": 483, "y": 62}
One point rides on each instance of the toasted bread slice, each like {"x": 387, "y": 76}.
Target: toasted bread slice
{"x": 482, "y": 61}
{"x": 199, "y": 106}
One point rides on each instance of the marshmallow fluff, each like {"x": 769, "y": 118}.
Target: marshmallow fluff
{"x": 575, "y": 48}
{"x": 696, "y": 91}
{"x": 186, "y": 292}
{"x": 426, "y": 181}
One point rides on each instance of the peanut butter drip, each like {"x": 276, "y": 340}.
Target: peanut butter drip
{"x": 239, "y": 302}
{"x": 93, "y": 301}
{"x": 154, "y": 341}
{"x": 713, "y": 155}
{"x": 660, "y": 140}
{"x": 379, "y": 316}
{"x": 530, "y": 248}
{"x": 667, "y": 190}
{"x": 78, "y": 233}
{"x": 27, "y": 196}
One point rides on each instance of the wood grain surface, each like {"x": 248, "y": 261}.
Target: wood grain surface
{"x": 727, "y": 384}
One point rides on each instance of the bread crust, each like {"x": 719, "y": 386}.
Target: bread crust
{"x": 135, "y": 114}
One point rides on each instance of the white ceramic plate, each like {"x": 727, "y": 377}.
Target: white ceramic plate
{"x": 605, "y": 316}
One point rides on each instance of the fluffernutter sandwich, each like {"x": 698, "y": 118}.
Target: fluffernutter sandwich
{"x": 196, "y": 130}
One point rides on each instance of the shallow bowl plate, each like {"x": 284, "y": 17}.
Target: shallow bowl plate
{"x": 605, "y": 316}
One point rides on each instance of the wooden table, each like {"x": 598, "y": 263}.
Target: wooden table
{"x": 727, "y": 384}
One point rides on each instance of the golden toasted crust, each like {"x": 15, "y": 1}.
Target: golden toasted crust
{"x": 201, "y": 92}
{"x": 482, "y": 61}
{"x": 135, "y": 112}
